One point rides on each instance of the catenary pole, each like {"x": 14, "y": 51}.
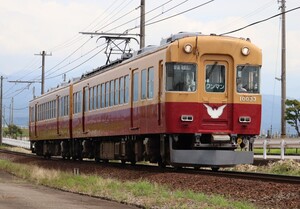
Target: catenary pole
{"x": 1, "y": 97}
{"x": 283, "y": 71}
{"x": 142, "y": 25}
{"x": 43, "y": 54}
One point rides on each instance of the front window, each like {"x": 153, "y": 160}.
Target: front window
{"x": 215, "y": 78}
{"x": 181, "y": 77}
{"x": 247, "y": 79}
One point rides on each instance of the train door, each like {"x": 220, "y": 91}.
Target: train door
{"x": 160, "y": 80}
{"x": 134, "y": 102}
{"x": 217, "y": 78}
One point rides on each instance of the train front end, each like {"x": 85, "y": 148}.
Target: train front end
{"x": 212, "y": 100}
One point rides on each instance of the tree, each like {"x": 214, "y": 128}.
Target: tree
{"x": 292, "y": 114}
{"x": 13, "y": 131}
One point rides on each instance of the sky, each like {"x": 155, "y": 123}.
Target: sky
{"x": 29, "y": 27}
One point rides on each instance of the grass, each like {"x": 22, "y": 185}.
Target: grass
{"x": 143, "y": 193}
{"x": 283, "y": 167}
{"x": 275, "y": 151}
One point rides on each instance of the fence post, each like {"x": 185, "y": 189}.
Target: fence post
{"x": 265, "y": 149}
{"x": 282, "y": 145}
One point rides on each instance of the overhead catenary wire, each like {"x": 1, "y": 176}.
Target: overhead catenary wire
{"x": 177, "y": 14}
{"x": 260, "y": 21}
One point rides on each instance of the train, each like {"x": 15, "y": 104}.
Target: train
{"x": 194, "y": 100}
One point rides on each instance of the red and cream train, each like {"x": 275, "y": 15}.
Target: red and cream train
{"x": 189, "y": 102}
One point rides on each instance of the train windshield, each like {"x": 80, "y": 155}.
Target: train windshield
{"x": 247, "y": 79}
{"x": 181, "y": 77}
{"x": 215, "y": 78}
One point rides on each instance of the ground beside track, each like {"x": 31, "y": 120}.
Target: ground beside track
{"x": 16, "y": 193}
{"x": 263, "y": 194}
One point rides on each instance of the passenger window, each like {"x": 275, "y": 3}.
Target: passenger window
{"x": 107, "y": 94}
{"x": 122, "y": 90}
{"x": 126, "y": 88}
{"x": 144, "y": 84}
{"x": 102, "y": 95}
{"x": 117, "y": 91}
{"x": 135, "y": 86}
{"x": 112, "y": 93}
{"x": 150, "y": 82}
{"x": 215, "y": 78}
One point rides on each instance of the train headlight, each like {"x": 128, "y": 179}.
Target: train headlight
{"x": 245, "y": 51}
{"x": 188, "y": 48}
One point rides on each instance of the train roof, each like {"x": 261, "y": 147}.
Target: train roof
{"x": 127, "y": 57}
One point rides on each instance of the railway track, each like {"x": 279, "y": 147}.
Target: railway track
{"x": 144, "y": 167}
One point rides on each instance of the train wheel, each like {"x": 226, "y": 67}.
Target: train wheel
{"x": 161, "y": 164}
{"x": 133, "y": 162}
{"x": 197, "y": 168}
{"x": 123, "y": 162}
{"x": 215, "y": 168}
{"x": 97, "y": 159}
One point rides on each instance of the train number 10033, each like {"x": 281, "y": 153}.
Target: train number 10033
{"x": 247, "y": 99}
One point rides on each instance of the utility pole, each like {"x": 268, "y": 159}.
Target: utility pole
{"x": 142, "y": 25}
{"x": 1, "y": 97}
{"x": 283, "y": 71}
{"x": 43, "y": 54}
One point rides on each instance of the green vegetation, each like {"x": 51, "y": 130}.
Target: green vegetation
{"x": 283, "y": 167}
{"x": 275, "y": 151}
{"x": 141, "y": 192}
{"x": 14, "y": 131}
{"x": 292, "y": 114}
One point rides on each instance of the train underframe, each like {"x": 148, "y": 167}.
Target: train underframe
{"x": 178, "y": 150}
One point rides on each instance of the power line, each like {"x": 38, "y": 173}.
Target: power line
{"x": 260, "y": 21}
{"x": 77, "y": 65}
{"x": 180, "y": 13}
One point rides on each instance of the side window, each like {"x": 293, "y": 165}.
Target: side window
{"x": 112, "y": 93}
{"x": 144, "y": 84}
{"x": 117, "y": 90}
{"x": 86, "y": 99}
{"x": 126, "y": 88}
{"x": 91, "y": 103}
{"x": 122, "y": 90}
{"x": 150, "y": 82}
{"x": 102, "y": 95}
{"x": 95, "y": 97}
{"x": 98, "y": 96}
{"x": 107, "y": 94}
{"x": 215, "y": 78}
{"x": 135, "y": 86}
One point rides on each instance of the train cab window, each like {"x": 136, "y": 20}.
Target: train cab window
{"x": 180, "y": 77}
{"x": 215, "y": 78}
{"x": 248, "y": 79}
{"x": 135, "y": 86}
{"x": 144, "y": 84}
{"x": 150, "y": 82}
